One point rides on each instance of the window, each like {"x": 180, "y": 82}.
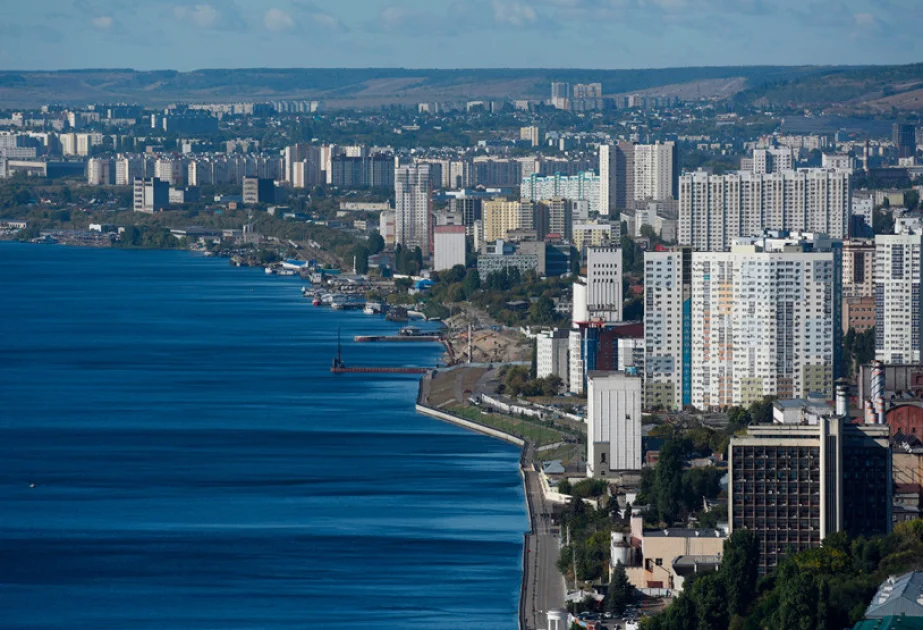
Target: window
{"x": 659, "y": 562}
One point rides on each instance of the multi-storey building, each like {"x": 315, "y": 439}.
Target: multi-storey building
{"x": 583, "y": 186}
{"x": 413, "y": 200}
{"x": 100, "y": 172}
{"x": 604, "y": 283}
{"x": 613, "y": 422}
{"x": 656, "y": 169}
{"x": 793, "y": 485}
{"x": 715, "y": 209}
{"x": 449, "y": 246}
{"x": 728, "y": 328}
{"x": 151, "y": 195}
{"x": 258, "y": 190}
{"x": 595, "y": 234}
{"x": 898, "y": 317}
{"x": 501, "y": 216}
{"x": 668, "y": 329}
{"x": 616, "y": 177}
{"x": 858, "y": 268}
{"x": 560, "y": 218}
{"x": 551, "y": 354}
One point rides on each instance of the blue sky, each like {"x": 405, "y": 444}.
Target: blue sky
{"x": 190, "y": 34}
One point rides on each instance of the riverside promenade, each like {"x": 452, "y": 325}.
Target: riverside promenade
{"x": 542, "y": 585}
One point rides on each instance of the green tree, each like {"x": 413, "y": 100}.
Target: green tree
{"x": 361, "y": 258}
{"x": 740, "y": 570}
{"x": 668, "y": 482}
{"x": 620, "y": 593}
{"x": 710, "y": 599}
{"x": 472, "y": 282}
{"x": 376, "y": 243}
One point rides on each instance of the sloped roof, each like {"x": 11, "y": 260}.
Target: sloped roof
{"x": 898, "y": 596}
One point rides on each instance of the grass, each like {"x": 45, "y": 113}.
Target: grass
{"x": 534, "y": 432}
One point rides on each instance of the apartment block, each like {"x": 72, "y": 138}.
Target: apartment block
{"x": 795, "y": 484}
{"x": 898, "y": 318}
{"x": 715, "y": 209}
{"x": 413, "y": 200}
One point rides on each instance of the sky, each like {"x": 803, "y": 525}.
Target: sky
{"x": 193, "y": 34}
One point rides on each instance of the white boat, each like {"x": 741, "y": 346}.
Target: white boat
{"x": 372, "y": 308}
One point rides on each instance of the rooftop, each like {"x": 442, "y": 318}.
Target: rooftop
{"x": 898, "y": 596}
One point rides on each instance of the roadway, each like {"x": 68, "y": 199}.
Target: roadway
{"x": 544, "y": 586}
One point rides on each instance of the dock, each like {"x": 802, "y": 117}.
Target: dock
{"x": 397, "y": 338}
{"x": 342, "y": 369}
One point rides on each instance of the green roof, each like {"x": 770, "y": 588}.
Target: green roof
{"x": 891, "y": 623}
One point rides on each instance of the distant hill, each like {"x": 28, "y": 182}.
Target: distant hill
{"x": 375, "y": 86}
{"x": 856, "y": 90}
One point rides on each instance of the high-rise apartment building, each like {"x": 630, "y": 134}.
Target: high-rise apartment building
{"x": 715, "y": 209}
{"x": 668, "y": 329}
{"x": 613, "y": 423}
{"x": 413, "y": 201}
{"x": 560, "y": 218}
{"x": 771, "y": 160}
{"x": 532, "y": 135}
{"x": 501, "y": 216}
{"x": 858, "y": 268}
{"x": 616, "y": 177}
{"x": 100, "y": 172}
{"x": 898, "y": 317}
{"x": 761, "y": 320}
{"x": 795, "y": 484}
{"x": 604, "y": 283}
{"x": 656, "y": 171}
{"x": 583, "y": 186}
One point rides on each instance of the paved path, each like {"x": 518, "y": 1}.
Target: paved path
{"x": 544, "y": 585}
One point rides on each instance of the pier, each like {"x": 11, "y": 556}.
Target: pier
{"x": 397, "y": 338}
{"x": 342, "y": 369}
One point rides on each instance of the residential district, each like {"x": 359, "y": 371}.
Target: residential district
{"x": 700, "y": 319}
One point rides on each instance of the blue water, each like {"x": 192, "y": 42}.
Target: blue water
{"x": 196, "y": 465}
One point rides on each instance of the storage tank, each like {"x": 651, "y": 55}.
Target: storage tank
{"x": 620, "y": 549}
{"x": 557, "y": 619}
{"x": 842, "y": 400}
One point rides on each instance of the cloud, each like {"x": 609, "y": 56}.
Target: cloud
{"x": 209, "y": 16}
{"x": 277, "y": 20}
{"x": 864, "y": 19}
{"x": 513, "y": 13}
{"x": 103, "y": 22}
{"x": 312, "y": 15}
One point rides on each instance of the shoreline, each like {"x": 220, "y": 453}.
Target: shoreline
{"x": 526, "y": 464}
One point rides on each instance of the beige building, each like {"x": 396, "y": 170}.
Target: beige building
{"x": 502, "y": 215}
{"x": 595, "y": 234}
{"x": 665, "y": 558}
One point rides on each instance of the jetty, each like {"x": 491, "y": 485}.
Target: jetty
{"x": 339, "y": 367}
{"x": 397, "y": 338}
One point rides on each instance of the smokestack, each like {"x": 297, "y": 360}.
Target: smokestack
{"x": 878, "y": 390}
{"x": 842, "y": 401}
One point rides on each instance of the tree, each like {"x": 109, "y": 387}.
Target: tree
{"x": 361, "y": 258}
{"x": 668, "y": 482}
{"x": 472, "y": 282}
{"x": 376, "y": 243}
{"x": 620, "y": 593}
{"x": 710, "y": 599}
{"x": 740, "y": 570}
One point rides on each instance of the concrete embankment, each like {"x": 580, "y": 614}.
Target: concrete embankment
{"x": 542, "y": 587}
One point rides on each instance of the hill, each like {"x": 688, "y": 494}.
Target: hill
{"x": 367, "y": 87}
{"x": 854, "y": 90}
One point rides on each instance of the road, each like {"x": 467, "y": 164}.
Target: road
{"x": 544, "y": 585}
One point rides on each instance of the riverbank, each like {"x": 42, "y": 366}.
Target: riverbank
{"x": 542, "y": 587}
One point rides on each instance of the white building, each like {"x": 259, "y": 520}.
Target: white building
{"x": 667, "y": 311}
{"x": 655, "y": 171}
{"x": 413, "y": 207}
{"x": 613, "y": 423}
{"x": 727, "y": 328}
{"x": 604, "y": 283}
{"x": 551, "y": 350}
{"x": 897, "y": 276}
{"x": 449, "y": 247}
{"x": 582, "y": 186}
{"x": 715, "y": 209}
{"x": 100, "y": 172}
{"x": 771, "y": 160}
